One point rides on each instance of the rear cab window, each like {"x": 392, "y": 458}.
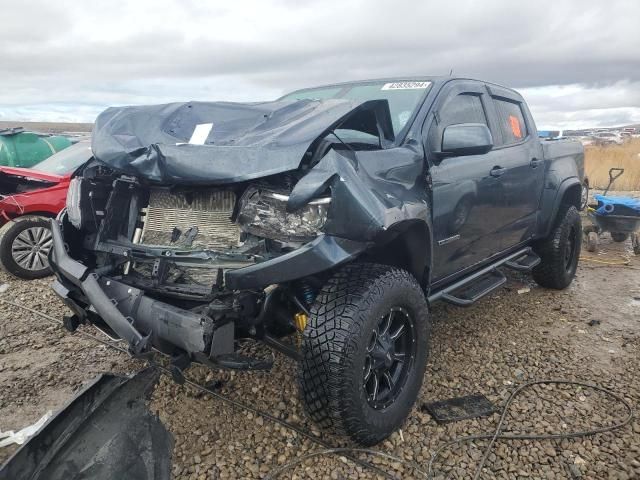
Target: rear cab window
{"x": 510, "y": 121}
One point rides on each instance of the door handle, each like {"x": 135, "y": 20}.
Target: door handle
{"x": 535, "y": 162}
{"x": 497, "y": 171}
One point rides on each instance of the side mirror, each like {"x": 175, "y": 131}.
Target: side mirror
{"x": 466, "y": 139}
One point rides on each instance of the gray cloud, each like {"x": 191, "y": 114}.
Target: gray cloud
{"x": 87, "y": 55}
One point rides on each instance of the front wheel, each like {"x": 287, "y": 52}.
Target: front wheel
{"x": 24, "y": 245}
{"x": 365, "y": 351}
{"x": 560, "y": 251}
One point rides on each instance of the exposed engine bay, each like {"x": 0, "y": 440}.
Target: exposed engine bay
{"x": 174, "y": 238}
{"x": 162, "y": 253}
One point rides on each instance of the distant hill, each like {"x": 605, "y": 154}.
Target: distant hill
{"x": 50, "y": 127}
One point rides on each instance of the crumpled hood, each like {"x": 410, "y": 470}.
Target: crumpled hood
{"x": 243, "y": 142}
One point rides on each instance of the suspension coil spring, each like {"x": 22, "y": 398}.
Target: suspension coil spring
{"x": 307, "y": 292}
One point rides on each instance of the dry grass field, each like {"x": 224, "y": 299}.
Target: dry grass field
{"x": 49, "y": 127}
{"x": 598, "y": 161}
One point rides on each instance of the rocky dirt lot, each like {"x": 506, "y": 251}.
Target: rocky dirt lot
{"x": 590, "y": 333}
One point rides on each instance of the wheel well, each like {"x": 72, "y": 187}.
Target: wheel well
{"x": 35, "y": 214}
{"x": 406, "y": 246}
{"x": 572, "y": 196}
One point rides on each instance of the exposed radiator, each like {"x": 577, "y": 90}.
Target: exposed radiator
{"x": 208, "y": 211}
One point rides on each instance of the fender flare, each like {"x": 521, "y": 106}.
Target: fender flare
{"x": 415, "y": 237}
{"x": 565, "y": 186}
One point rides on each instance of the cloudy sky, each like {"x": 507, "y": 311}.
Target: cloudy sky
{"x": 576, "y": 61}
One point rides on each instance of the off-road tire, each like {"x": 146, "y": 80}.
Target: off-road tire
{"x": 335, "y": 342}
{"x": 554, "y": 271}
{"x": 619, "y": 236}
{"x": 8, "y": 233}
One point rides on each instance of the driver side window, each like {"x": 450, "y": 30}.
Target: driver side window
{"x": 461, "y": 108}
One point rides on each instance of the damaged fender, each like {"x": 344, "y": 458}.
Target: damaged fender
{"x": 376, "y": 196}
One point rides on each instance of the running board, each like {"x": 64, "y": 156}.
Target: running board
{"x": 471, "y": 292}
{"x": 525, "y": 263}
{"x": 472, "y": 288}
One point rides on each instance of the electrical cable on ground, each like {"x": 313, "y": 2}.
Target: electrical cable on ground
{"x": 622, "y": 263}
{"x": 348, "y": 452}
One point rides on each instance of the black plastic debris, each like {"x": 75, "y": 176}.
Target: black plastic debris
{"x": 106, "y": 432}
{"x": 593, "y": 322}
{"x": 459, "y": 408}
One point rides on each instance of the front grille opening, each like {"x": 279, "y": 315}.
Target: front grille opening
{"x": 198, "y": 220}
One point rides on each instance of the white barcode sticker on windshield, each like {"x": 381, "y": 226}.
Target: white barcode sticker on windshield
{"x": 405, "y": 85}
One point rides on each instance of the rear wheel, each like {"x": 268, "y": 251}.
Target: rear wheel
{"x": 364, "y": 352}
{"x": 560, "y": 251}
{"x": 24, "y": 246}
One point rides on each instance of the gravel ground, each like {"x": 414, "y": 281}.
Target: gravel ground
{"x": 589, "y": 332}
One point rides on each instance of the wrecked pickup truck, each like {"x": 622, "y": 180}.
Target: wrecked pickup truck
{"x": 322, "y": 224}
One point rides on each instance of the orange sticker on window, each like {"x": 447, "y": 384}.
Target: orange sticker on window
{"x": 515, "y": 126}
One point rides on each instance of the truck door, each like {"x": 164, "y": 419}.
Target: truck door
{"x": 518, "y": 152}
{"x": 466, "y": 195}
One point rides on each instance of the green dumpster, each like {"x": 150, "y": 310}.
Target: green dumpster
{"x": 25, "y": 149}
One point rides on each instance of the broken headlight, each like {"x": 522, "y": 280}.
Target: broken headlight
{"x": 264, "y": 213}
{"x": 74, "y": 193}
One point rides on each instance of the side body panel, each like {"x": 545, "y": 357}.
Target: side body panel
{"x": 509, "y": 211}
{"x": 564, "y": 172}
{"x": 521, "y": 184}
{"x": 465, "y": 195}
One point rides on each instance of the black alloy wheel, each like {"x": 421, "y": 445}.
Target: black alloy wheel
{"x": 390, "y": 352}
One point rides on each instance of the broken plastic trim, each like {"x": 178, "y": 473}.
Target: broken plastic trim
{"x": 88, "y": 282}
{"x": 179, "y": 256}
{"x": 105, "y": 432}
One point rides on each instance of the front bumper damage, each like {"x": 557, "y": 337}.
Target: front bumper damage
{"x": 131, "y": 314}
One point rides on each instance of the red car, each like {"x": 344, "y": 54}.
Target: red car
{"x": 28, "y": 198}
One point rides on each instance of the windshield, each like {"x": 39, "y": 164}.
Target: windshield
{"x": 404, "y": 96}
{"x": 67, "y": 160}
